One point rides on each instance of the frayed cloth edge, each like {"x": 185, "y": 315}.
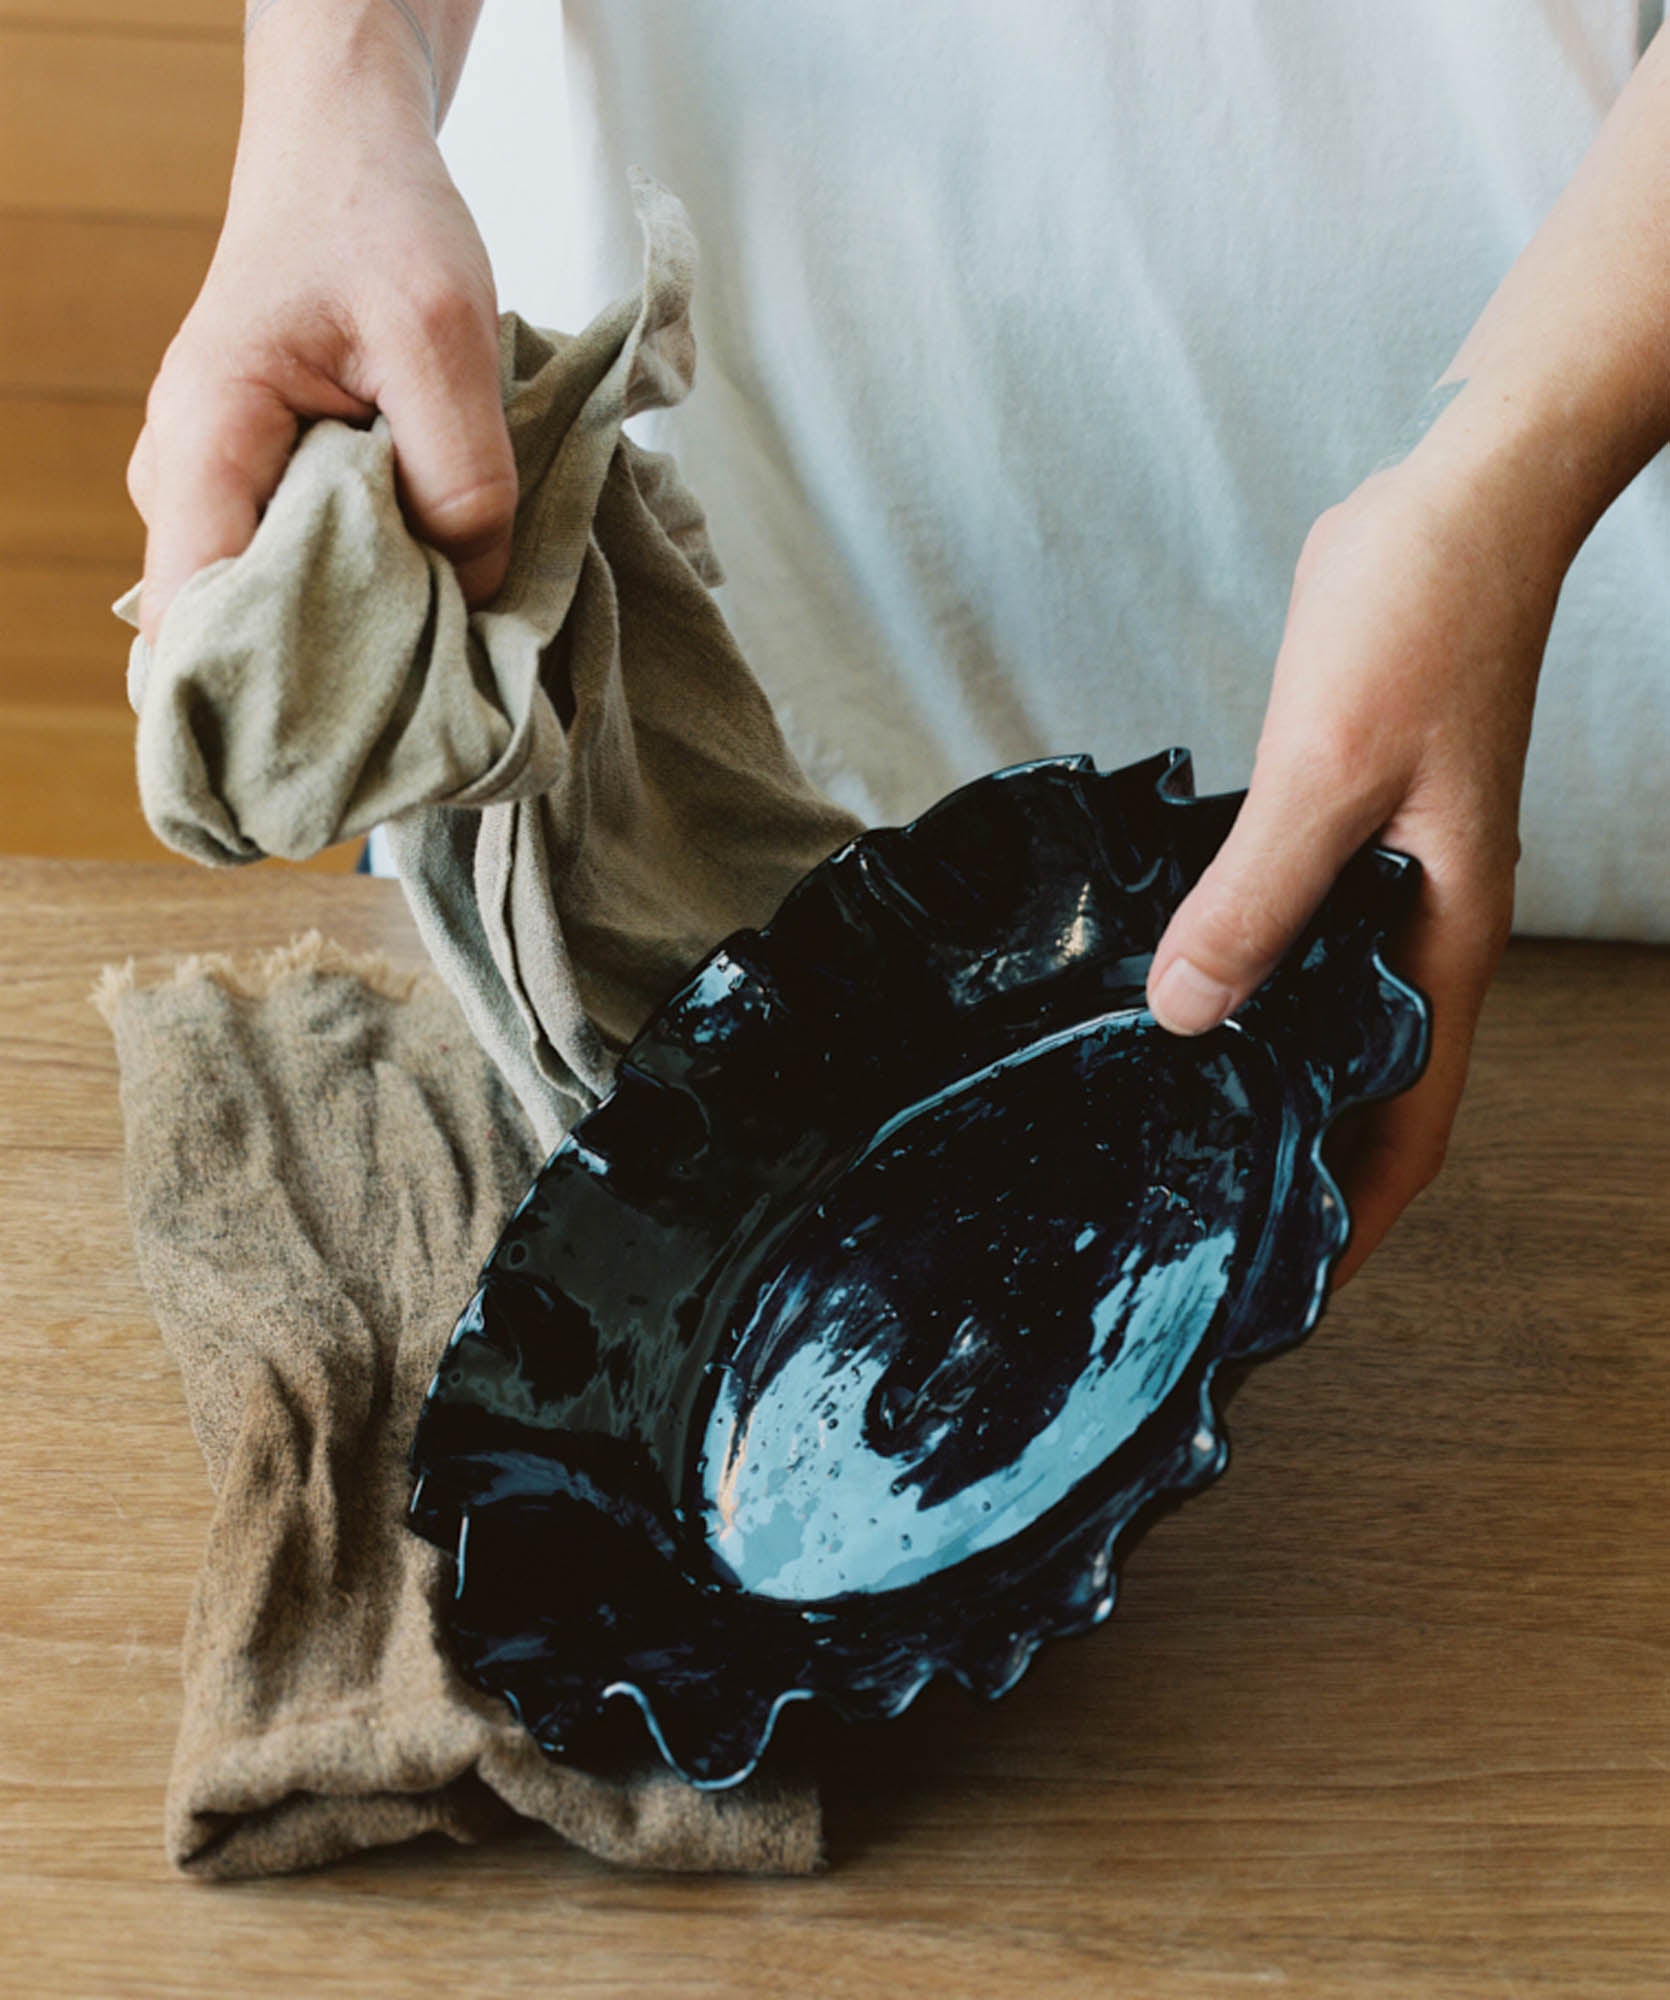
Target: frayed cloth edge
{"x": 252, "y": 975}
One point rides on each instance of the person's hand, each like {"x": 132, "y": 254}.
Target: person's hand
{"x": 1400, "y": 708}
{"x": 349, "y": 278}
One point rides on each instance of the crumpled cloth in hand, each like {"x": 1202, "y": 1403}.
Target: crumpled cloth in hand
{"x": 318, "y": 1159}
{"x": 584, "y": 784}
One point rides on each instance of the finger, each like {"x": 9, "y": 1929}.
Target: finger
{"x": 1390, "y": 1152}
{"x": 142, "y": 472}
{"x": 208, "y": 471}
{"x": 456, "y": 469}
{"x": 1395, "y": 1153}
{"x": 1296, "y": 829}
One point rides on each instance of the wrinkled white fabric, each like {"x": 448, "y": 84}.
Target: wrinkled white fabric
{"x": 1035, "y": 338}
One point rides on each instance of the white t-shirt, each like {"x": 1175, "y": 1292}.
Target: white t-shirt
{"x": 1031, "y": 340}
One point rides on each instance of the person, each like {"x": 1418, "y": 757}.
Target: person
{"x": 1050, "y": 361}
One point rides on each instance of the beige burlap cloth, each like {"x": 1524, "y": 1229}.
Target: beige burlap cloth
{"x": 319, "y": 1157}
{"x": 585, "y": 790}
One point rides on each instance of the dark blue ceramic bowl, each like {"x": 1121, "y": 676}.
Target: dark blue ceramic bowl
{"x": 881, "y": 1302}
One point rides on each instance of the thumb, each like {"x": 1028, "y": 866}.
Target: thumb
{"x": 1290, "y": 840}
{"x": 456, "y": 469}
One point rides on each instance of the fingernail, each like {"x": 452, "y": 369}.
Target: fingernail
{"x": 1187, "y": 1002}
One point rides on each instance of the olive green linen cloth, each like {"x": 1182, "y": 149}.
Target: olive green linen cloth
{"x": 584, "y": 785}
{"x": 318, "y": 1159}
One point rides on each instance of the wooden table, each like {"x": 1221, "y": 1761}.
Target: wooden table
{"x": 1386, "y": 1712}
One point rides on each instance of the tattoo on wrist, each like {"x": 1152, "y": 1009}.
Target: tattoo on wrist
{"x": 1438, "y": 399}
{"x": 255, "y": 9}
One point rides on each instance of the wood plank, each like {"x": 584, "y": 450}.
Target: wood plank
{"x": 63, "y": 490}
{"x": 67, "y": 788}
{"x": 67, "y": 785}
{"x": 89, "y": 305}
{"x": 221, "y": 20}
{"x": 1380, "y": 1717}
{"x": 60, "y": 643}
{"x": 117, "y": 124}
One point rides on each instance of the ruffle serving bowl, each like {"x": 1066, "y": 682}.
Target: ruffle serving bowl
{"x": 881, "y": 1305}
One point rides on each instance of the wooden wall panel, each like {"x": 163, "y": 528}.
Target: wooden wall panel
{"x": 117, "y": 124}
{"x": 60, "y": 643}
{"x": 118, "y": 120}
{"x": 220, "y": 19}
{"x": 88, "y": 305}
{"x": 63, "y": 492}
{"x": 67, "y": 788}
{"x": 67, "y": 785}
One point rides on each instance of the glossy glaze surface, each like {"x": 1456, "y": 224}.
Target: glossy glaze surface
{"x": 884, "y": 1296}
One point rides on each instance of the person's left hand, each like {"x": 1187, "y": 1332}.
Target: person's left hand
{"x": 1400, "y": 709}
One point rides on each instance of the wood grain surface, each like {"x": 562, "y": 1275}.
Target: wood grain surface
{"x": 161, "y": 112}
{"x": 68, "y": 788}
{"x": 90, "y": 303}
{"x": 1385, "y": 1712}
{"x": 117, "y": 123}
{"x": 218, "y": 20}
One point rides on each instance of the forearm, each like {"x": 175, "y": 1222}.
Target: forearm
{"x": 1560, "y": 394}
{"x": 405, "y": 53}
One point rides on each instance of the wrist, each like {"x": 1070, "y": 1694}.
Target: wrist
{"x": 359, "y": 60}
{"x": 1567, "y": 395}
{"x": 1533, "y": 462}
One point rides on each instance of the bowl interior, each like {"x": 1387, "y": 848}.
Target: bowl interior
{"x": 989, "y": 1298}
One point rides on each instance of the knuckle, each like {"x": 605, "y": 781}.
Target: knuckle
{"x": 445, "y": 317}
{"x": 1321, "y": 541}
{"x": 1342, "y": 754}
{"x": 181, "y": 407}
{"x": 1341, "y": 780}
{"x": 1320, "y": 535}
{"x": 1428, "y": 1159}
{"x": 477, "y": 512}
{"x": 1408, "y": 1164}
{"x": 177, "y": 386}
{"x": 1498, "y": 925}
{"x": 163, "y": 398}
{"x": 138, "y": 475}
{"x": 1236, "y": 928}
{"x": 1485, "y": 902}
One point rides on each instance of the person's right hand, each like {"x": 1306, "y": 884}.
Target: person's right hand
{"x": 349, "y": 278}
